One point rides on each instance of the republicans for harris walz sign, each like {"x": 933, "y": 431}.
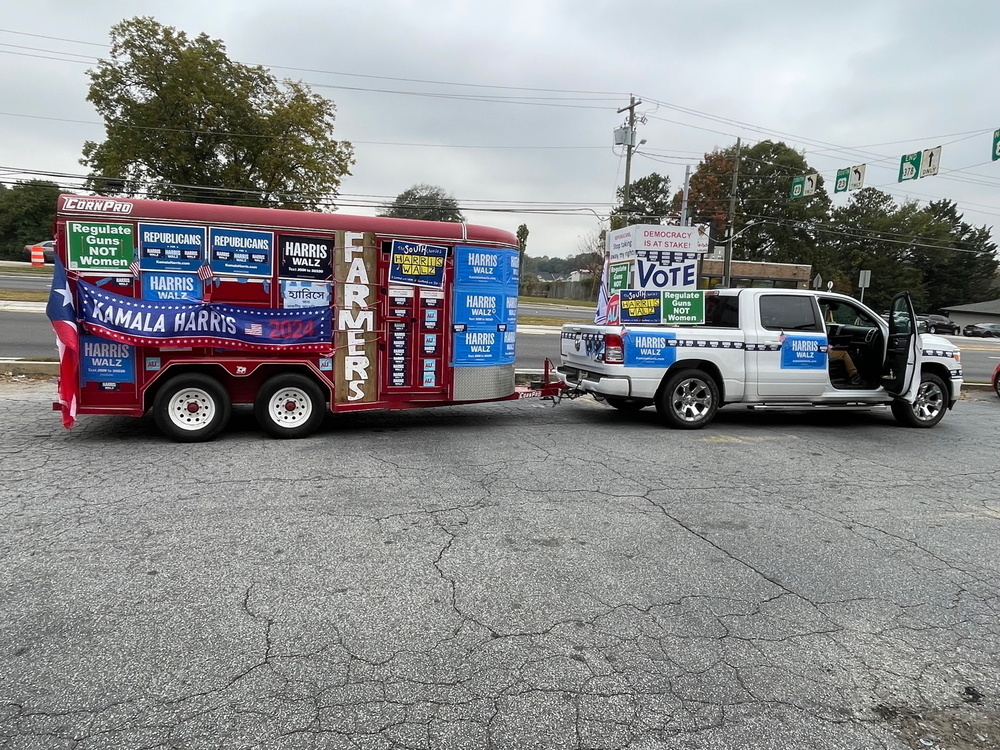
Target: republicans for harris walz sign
{"x": 417, "y": 264}
{"x": 240, "y": 252}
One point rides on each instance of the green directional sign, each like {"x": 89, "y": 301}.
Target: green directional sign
{"x": 909, "y": 166}
{"x": 798, "y": 186}
{"x": 683, "y": 307}
{"x": 843, "y": 177}
{"x": 996, "y": 145}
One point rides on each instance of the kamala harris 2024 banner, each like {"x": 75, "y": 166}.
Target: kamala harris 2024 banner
{"x": 145, "y": 322}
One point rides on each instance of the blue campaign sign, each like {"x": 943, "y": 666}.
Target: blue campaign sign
{"x": 171, "y": 247}
{"x": 103, "y": 361}
{"x": 417, "y": 264}
{"x": 482, "y": 348}
{"x": 186, "y": 286}
{"x": 479, "y": 307}
{"x": 650, "y": 349}
{"x": 803, "y": 353}
{"x": 240, "y": 252}
{"x": 487, "y": 265}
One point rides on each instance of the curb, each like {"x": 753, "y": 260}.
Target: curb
{"x": 29, "y": 368}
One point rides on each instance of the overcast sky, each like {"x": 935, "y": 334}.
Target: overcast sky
{"x": 512, "y": 105}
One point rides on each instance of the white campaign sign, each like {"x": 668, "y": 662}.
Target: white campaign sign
{"x": 651, "y": 276}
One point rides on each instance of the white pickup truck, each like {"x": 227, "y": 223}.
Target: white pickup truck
{"x": 768, "y": 348}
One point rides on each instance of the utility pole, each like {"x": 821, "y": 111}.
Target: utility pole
{"x": 684, "y": 200}
{"x": 727, "y": 264}
{"x": 629, "y": 145}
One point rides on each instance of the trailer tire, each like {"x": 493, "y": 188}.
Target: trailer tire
{"x": 289, "y": 406}
{"x": 191, "y": 408}
{"x": 930, "y": 406}
{"x": 688, "y": 400}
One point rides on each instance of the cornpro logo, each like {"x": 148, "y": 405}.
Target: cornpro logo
{"x": 104, "y": 205}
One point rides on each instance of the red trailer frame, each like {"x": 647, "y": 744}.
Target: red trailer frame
{"x": 186, "y": 309}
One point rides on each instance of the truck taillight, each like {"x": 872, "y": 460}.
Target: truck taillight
{"x": 614, "y": 349}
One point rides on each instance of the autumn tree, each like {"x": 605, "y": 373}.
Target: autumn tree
{"x": 184, "y": 121}
{"x": 428, "y": 202}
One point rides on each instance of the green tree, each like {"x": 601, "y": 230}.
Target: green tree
{"x": 522, "y": 238}
{"x": 771, "y": 225}
{"x": 648, "y": 203}
{"x": 27, "y": 212}
{"x": 428, "y": 202}
{"x": 871, "y": 232}
{"x": 958, "y": 261}
{"x": 183, "y": 121}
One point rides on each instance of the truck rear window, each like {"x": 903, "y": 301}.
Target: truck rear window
{"x": 722, "y": 311}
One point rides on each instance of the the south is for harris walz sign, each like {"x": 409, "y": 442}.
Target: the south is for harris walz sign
{"x": 143, "y": 322}
{"x": 417, "y": 264}
{"x": 640, "y": 306}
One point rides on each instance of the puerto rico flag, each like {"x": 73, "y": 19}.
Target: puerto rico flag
{"x": 62, "y": 313}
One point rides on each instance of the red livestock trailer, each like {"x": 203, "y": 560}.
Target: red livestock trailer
{"x": 186, "y": 309}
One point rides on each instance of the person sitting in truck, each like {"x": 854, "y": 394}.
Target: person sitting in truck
{"x": 840, "y": 353}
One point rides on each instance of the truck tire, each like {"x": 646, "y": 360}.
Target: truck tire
{"x": 289, "y": 406}
{"x": 688, "y": 400}
{"x": 930, "y": 406}
{"x": 191, "y": 408}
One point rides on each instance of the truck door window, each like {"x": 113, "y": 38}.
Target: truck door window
{"x": 789, "y": 313}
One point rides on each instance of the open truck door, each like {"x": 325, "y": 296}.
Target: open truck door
{"x": 901, "y": 348}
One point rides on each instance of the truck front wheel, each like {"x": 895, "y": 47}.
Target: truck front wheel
{"x": 191, "y": 408}
{"x": 688, "y": 400}
{"x": 930, "y": 406}
{"x": 289, "y": 406}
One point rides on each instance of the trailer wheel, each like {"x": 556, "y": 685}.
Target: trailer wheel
{"x": 930, "y": 406}
{"x": 688, "y": 400}
{"x": 289, "y": 406}
{"x": 191, "y": 408}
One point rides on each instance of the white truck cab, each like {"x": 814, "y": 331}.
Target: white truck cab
{"x": 768, "y": 348}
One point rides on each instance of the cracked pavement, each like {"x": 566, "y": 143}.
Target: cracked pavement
{"x": 504, "y": 575}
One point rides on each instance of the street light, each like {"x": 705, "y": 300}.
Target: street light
{"x": 727, "y": 263}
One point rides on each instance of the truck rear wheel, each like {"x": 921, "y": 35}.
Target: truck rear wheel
{"x": 688, "y": 400}
{"x": 930, "y": 406}
{"x": 191, "y": 408}
{"x": 289, "y": 406}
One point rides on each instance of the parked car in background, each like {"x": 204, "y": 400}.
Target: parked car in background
{"x": 48, "y": 251}
{"x": 985, "y": 330}
{"x": 940, "y": 324}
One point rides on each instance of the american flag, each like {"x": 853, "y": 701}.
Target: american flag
{"x": 134, "y": 267}
{"x": 254, "y": 329}
{"x": 62, "y": 313}
{"x": 205, "y": 273}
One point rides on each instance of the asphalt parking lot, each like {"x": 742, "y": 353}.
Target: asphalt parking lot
{"x": 502, "y": 575}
